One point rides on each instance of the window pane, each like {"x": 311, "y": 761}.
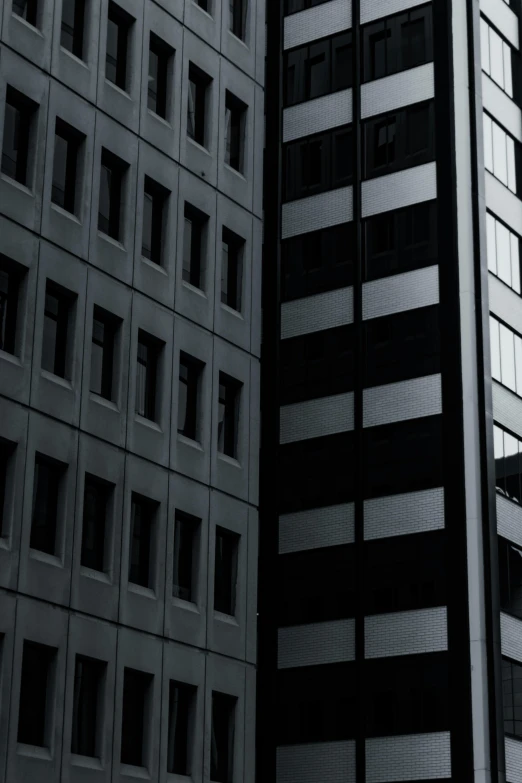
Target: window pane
{"x": 503, "y": 253}
{"x": 492, "y": 247}
{"x": 507, "y": 357}
{"x": 496, "y": 58}
{"x": 488, "y": 143}
{"x": 495, "y": 348}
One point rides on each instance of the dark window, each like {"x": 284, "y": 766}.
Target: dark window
{"x": 193, "y": 245}
{"x": 58, "y": 314}
{"x": 317, "y": 69}
{"x": 135, "y": 712}
{"x": 228, "y": 414}
{"x": 232, "y": 249}
{"x": 190, "y": 370}
{"x": 317, "y": 163}
{"x": 34, "y": 714}
{"x": 238, "y": 17}
{"x": 225, "y": 573}
{"x": 87, "y": 706}
{"x": 149, "y": 351}
{"x": 7, "y": 450}
{"x": 401, "y": 346}
{"x": 400, "y": 140}
{"x": 141, "y": 554}
{"x": 160, "y": 55}
{"x": 405, "y": 573}
{"x": 10, "y": 280}
{"x": 104, "y": 329}
{"x": 67, "y": 142}
{"x": 403, "y": 457}
{"x": 181, "y": 718}
{"x": 203, "y": 4}
{"x": 71, "y": 38}
{"x": 316, "y": 365}
{"x": 510, "y": 571}
{"x": 155, "y": 199}
{"x": 292, "y": 6}
{"x": 317, "y": 262}
{"x": 118, "y": 30}
{"x": 110, "y": 207}
{"x": 235, "y": 116}
{"x": 397, "y": 43}
{"x": 508, "y": 463}
{"x": 96, "y": 508}
{"x": 316, "y": 585}
{"x": 197, "y": 104}
{"x": 18, "y": 120}
{"x": 407, "y": 695}
{"x": 186, "y": 535}
{"x": 400, "y": 241}
{"x": 27, "y": 9}
{"x": 316, "y": 704}
{"x": 512, "y": 697}
{"x": 48, "y": 475}
{"x": 222, "y": 741}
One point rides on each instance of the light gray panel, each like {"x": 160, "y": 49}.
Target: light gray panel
{"x": 316, "y": 212}
{"x": 511, "y": 636}
{"x": 505, "y": 303}
{"x": 503, "y": 18}
{"x": 509, "y": 520}
{"x": 316, "y": 528}
{"x": 326, "y": 19}
{"x": 400, "y": 189}
{"x": 313, "y": 313}
{"x": 498, "y": 104}
{"x": 503, "y": 202}
{"x": 507, "y": 408}
{"x": 398, "y": 515}
{"x": 404, "y": 400}
{"x": 406, "y": 633}
{"x": 395, "y": 294}
{"x": 316, "y": 644}
{"x": 374, "y": 9}
{"x": 408, "y": 757}
{"x": 317, "y": 762}
{"x": 400, "y": 89}
{"x": 329, "y": 111}
{"x": 314, "y": 418}
{"x": 513, "y": 760}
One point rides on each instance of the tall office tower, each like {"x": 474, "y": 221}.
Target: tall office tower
{"x": 131, "y": 135}
{"x": 394, "y": 134}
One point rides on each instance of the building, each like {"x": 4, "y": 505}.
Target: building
{"x": 391, "y": 551}
{"x": 130, "y": 241}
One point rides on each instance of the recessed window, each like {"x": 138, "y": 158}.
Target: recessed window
{"x": 232, "y": 250}
{"x": 238, "y": 17}
{"x": 510, "y": 571}
{"x": 10, "y": 280}
{"x": 18, "y": 121}
{"x": 7, "y": 450}
{"x": 511, "y": 690}
{"x": 160, "y": 57}
{"x": 194, "y": 235}
{"x": 228, "y": 414}
{"x": 97, "y": 496}
{"x": 87, "y": 706}
{"x": 141, "y": 554}
{"x": 27, "y": 9}
{"x": 104, "y": 330}
{"x": 119, "y": 23}
{"x": 223, "y": 739}
{"x": 67, "y": 141}
{"x": 149, "y": 352}
{"x": 198, "y": 86}
{"x": 47, "y": 485}
{"x": 235, "y": 116}
{"x": 72, "y": 30}
{"x": 58, "y": 322}
{"x": 186, "y": 541}
{"x": 503, "y": 253}
{"x": 397, "y": 43}
{"x": 181, "y": 717}
{"x": 155, "y": 198}
{"x": 225, "y": 572}
{"x": 204, "y": 4}
{"x": 318, "y": 163}
{"x": 110, "y": 207}
{"x": 190, "y": 370}
{"x": 137, "y": 686}
{"x": 35, "y": 710}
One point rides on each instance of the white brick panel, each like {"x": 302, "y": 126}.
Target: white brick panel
{"x": 326, "y": 19}
{"x": 316, "y": 212}
{"x": 400, "y": 89}
{"x": 507, "y": 408}
{"x": 317, "y": 762}
{"x": 395, "y": 294}
{"x": 315, "y": 644}
{"x": 329, "y": 111}
{"x": 513, "y": 760}
{"x": 400, "y": 189}
{"x": 509, "y": 520}
{"x": 503, "y": 18}
{"x": 316, "y": 528}
{"x": 408, "y": 757}
{"x": 314, "y": 418}
{"x": 498, "y": 104}
{"x": 399, "y": 515}
{"x": 505, "y": 303}
{"x": 406, "y": 633}
{"x": 511, "y": 636}
{"x": 375, "y": 9}
{"x": 314, "y": 313}
{"x": 404, "y": 400}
